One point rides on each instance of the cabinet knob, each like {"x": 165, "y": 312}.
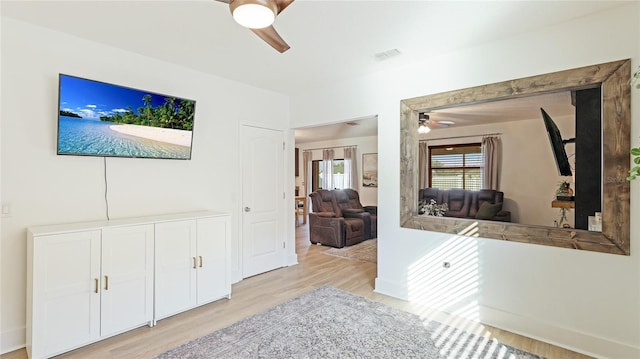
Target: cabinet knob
{"x": 194, "y": 263}
{"x": 97, "y": 285}
{"x": 247, "y": 209}
{"x": 106, "y": 282}
{"x": 200, "y": 261}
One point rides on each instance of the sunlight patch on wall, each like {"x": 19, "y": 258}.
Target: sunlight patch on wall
{"x": 447, "y": 278}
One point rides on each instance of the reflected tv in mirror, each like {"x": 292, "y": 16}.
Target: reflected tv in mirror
{"x": 106, "y": 120}
{"x": 557, "y": 145}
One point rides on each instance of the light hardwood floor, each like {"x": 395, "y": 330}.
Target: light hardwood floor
{"x": 258, "y": 293}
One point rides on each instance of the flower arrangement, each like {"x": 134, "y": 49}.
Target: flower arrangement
{"x": 432, "y": 208}
{"x": 564, "y": 189}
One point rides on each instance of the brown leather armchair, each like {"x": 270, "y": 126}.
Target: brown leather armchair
{"x": 328, "y": 226}
{"x": 349, "y": 202}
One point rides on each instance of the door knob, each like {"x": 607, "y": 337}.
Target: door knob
{"x": 247, "y": 209}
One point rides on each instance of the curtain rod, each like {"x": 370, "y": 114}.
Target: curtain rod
{"x": 451, "y": 138}
{"x": 326, "y": 148}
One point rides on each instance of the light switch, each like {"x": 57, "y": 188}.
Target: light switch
{"x": 6, "y": 210}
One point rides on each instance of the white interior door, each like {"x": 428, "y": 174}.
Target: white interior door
{"x": 263, "y": 237}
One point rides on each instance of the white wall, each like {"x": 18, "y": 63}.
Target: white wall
{"x": 44, "y": 188}
{"x": 368, "y": 195}
{"x": 582, "y": 300}
{"x": 528, "y": 174}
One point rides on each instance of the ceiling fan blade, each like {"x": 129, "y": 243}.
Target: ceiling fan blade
{"x": 444, "y": 122}
{"x": 271, "y": 37}
{"x": 269, "y": 34}
{"x": 437, "y": 125}
{"x": 282, "y": 4}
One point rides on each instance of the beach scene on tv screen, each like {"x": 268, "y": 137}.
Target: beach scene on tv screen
{"x": 101, "y": 119}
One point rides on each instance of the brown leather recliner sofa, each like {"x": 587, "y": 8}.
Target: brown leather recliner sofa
{"x": 338, "y": 218}
{"x": 485, "y": 204}
{"x": 349, "y": 202}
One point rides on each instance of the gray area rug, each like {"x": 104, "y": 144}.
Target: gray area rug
{"x": 331, "y": 323}
{"x": 366, "y": 251}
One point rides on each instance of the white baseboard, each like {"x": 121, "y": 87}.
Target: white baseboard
{"x": 530, "y": 327}
{"x": 391, "y": 289}
{"x": 566, "y": 338}
{"x": 235, "y": 277}
{"x": 12, "y": 340}
{"x": 292, "y": 259}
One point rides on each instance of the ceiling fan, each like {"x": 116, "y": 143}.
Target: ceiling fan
{"x": 425, "y": 124}
{"x": 258, "y": 15}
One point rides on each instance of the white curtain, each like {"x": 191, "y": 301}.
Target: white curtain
{"x": 491, "y": 162}
{"x": 350, "y": 168}
{"x": 423, "y": 158}
{"x": 306, "y": 160}
{"x": 327, "y": 169}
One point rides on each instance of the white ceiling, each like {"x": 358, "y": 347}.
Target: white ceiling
{"x": 330, "y": 40}
{"x": 517, "y": 109}
{"x": 363, "y": 127}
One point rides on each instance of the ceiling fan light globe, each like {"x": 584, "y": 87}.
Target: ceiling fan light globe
{"x": 423, "y": 129}
{"x": 254, "y": 16}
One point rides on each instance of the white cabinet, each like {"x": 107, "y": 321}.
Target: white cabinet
{"x": 175, "y": 267}
{"x": 127, "y": 278}
{"x": 191, "y": 264}
{"x": 213, "y": 250}
{"x": 64, "y": 304}
{"x": 88, "y": 285}
{"x": 90, "y": 281}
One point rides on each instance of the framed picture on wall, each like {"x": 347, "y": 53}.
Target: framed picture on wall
{"x": 370, "y": 169}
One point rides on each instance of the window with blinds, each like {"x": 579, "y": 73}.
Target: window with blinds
{"x": 318, "y": 177}
{"x": 456, "y": 166}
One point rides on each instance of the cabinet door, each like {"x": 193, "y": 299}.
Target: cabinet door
{"x": 212, "y": 278}
{"x": 66, "y": 296}
{"x": 127, "y": 278}
{"x": 176, "y": 263}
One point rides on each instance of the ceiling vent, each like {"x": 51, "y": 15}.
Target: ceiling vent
{"x": 386, "y": 55}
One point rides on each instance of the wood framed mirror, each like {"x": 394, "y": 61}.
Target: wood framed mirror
{"x": 613, "y": 80}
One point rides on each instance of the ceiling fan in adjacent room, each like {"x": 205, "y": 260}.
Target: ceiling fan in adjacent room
{"x": 425, "y": 124}
{"x": 258, "y": 15}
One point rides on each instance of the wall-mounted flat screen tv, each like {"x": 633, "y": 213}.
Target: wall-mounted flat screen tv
{"x": 106, "y": 120}
{"x": 557, "y": 145}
